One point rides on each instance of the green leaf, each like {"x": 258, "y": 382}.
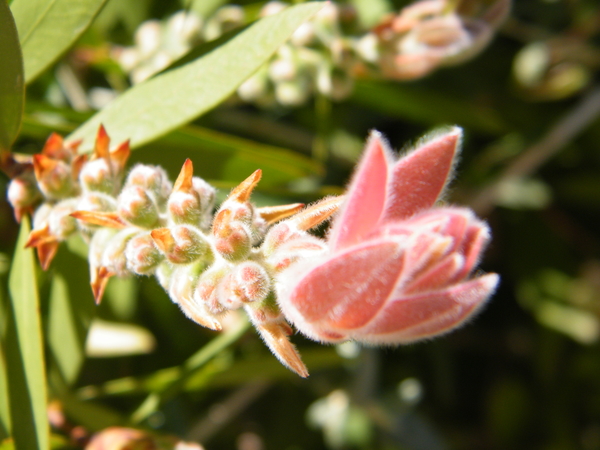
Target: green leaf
{"x": 47, "y": 28}
{"x": 12, "y": 89}
{"x": 174, "y": 98}
{"x": 71, "y": 309}
{"x": 24, "y": 351}
{"x": 218, "y": 156}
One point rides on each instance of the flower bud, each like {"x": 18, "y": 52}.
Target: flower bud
{"x": 60, "y": 222}
{"x": 247, "y": 282}
{"x": 147, "y": 37}
{"x": 113, "y": 257}
{"x": 272, "y": 8}
{"x": 181, "y": 289}
{"x": 98, "y": 277}
{"x": 54, "y": 177}
{"x": 136, "y": 207}
{"x": 97, "y": 176}
{"x": 142, "y": 254}
{"x": 23, "y": 194}
{"x": 207, "y": 194}
{"x": 283, "y": 69}
{"x": 232, "y": 239}
{"x": 183, "y": 27}
{"x": 182, "y": 244}
{"x": 255, "y": 87}
{"x": 153, "y": 179}
{"x": 226, "y": 18}
{"x": 293, "y": 93}
{"x": 206, "y": 291}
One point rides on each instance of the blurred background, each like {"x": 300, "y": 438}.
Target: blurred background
{"x": 524, "y": 374}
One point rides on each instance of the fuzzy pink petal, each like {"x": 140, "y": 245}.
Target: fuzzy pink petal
{"x": 437, "y": 276}
{"x": 365, "y": 197}
{"x": 476, "y": 238}
{"x": 419, "y": 178}
{"x": 349, "y": 288}
{"x": 426, "y": 315}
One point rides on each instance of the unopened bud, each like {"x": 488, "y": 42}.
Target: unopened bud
{"x": 182, "y": 244}
{"x": 98, "y": 176}
{"x": 23, "y": 194}
{"x": 247, "y": 282}
{"x": 147, "y": 37}
{"x": 183, "y": 26}
{"x": 305, "y": 35}
{"x": 153, "y": 179}
{"x": 207, "y": 195}
{"x": 367, "y": 47}
{"x": 225, "y": 19}
{"x": 283, "y": 69}
{"x": 142, "y": 254}
{"x": 41, "y": 214}
{"x": 54, "y": 177}
{"x": 255, "y": 87}
{"x": 206, "y": 291}
{"x": 136, "y": 207}
{"x": 293, "y": 93}
{"x": 114, "y": 258}
{"x": 181, "y": 290}
{"x": 272, "y": 8}
{"x": 60, "y": 222}
{"x": 95, "y": 202}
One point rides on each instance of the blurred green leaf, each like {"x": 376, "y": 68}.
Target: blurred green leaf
{"x": 24, "y": 351}
{"x": 195, "y": 362}
{"x": 47, "y": 28}
{"x": 5, "y": 424}
{"x": 71, "y": 310}
{"x": 167, "y": 101}
{"x": 12, "y": 89}
{"x": 225, "y": 157}
{"x": 203, "y": 7}
{"x": 410, "y": 102}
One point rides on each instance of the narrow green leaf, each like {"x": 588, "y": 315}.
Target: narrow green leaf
{"x": 47, "y": 28}
{"x": 5, "y": 424}
{"x": 220, "y": 156}
{"x": 71, "y": 309}
{"x": 174, "y": 98}
{"x": 12, "y": 89}
{"x": 24, "y": 351}
{"x": 191, "y": 366}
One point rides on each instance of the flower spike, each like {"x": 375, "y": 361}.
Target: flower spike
{"x": 396, "y": 266}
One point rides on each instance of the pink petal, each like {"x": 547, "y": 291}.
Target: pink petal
{"x": 365, "y": 196}
{"x": 476, "y": 238}
{"x": 437, "y": 276}
{"x": 409, "y": 319}
{"x": 419, "y": 178}
{"x": 347, "y": 289}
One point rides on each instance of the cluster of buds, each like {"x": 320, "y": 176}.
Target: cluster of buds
{"x": 395, "y": 268}
{"x": 328, "y": 53}
{"x": 433, "y": 33}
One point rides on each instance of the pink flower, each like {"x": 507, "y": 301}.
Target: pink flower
{"x": 398, "y": 268}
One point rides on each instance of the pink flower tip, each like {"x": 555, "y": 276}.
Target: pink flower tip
{"x": 398, "y": 268}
